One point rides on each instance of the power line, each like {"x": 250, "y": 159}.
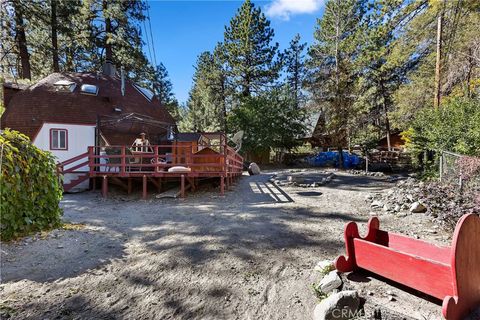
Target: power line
{"x": 151, "y": 35}
{"x": 148, "y": 41}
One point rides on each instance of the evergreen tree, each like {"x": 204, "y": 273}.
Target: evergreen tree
{"x": 270, "y": 121}
{"x": 250, "y": 57}
{"x": 112, "y": 32}
{"x": 383, "y": 67}
{"x": 207, "y": 105}
{"x": 332, "y": 62}
{"x": 294, "y": 62}
{"x": 161, "y": 84}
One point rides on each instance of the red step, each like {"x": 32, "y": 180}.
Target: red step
{"x": 69, "y": 186}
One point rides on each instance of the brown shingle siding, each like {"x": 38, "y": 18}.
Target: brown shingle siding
{"x": 40, "y": 103}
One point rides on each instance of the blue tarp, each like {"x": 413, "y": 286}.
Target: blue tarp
{"x": 330, "y": 159}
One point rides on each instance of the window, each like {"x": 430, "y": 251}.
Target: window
{"x": 145, "y": 92}
{"x": 58, "y": 139}
{"x": 89, "y": 89}
{"x": 65, "y": 85}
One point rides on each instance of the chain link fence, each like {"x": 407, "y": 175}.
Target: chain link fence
{"x": 457, "y": 169}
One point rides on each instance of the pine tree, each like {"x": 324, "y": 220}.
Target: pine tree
{"x": 249, "y": 54}
{"x": 206, "y": 104}
{"x": 332, "y": 63}
{"x": 294, "y": 62}
{"x": 161, "y": 84}
{"x": 19, "y": 12}
{"x": 383, "y": 67}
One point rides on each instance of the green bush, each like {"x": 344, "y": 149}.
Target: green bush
{"x": 455, "y": 126}
{"x": 30, "y": 191}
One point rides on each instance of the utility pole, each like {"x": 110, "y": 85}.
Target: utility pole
{"x": 438, "y": 86}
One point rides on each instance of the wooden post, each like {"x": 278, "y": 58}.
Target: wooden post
{"x": 105, "y": 187}
{"x": 94, "y": 183}
{"x": 91, "y": 160}
{"x": 156, "y": 160}
{"x": 129, "y": 185}
{"x": 144, "y": 189}
{"x": 182, "y": 186}
{"x": 441, "y": 167}
{"x": 222, "y": 185}
{"x": 159, "y": 187}
{"x": 122, "y": 167}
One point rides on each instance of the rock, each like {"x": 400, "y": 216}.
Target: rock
{"x": 368, "y": 197}
{"x": 417, "y": 207}
{"x": 330, "y": 282}
{"x": 339, "y": 306}
{"x": 386, "y": 207}
{"x": 324, "y": 266}
{"x": 376, "y": 204}
{"x": 397, "y": 208}
{"x": 253, "y": 169}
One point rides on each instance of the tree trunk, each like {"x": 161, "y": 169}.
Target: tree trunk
{"x": 436, "y": 102}
{"x": 386, "y": 103}
{"x": 21, "y": 42}
{"x": 387, "y": 129}
{"x": 108, "y": 34}
{"x": 224, "y": 107}
{"x": 53, "y": 22}
{"x": 340, "y": 157}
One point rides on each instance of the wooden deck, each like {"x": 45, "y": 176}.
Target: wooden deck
{"x": 123, "y": 164}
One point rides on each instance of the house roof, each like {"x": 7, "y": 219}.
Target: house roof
{"x": 16, "y": 86}
{"x": 42, "y": 102}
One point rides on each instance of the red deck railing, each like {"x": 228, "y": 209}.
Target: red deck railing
{"x": 152, "y": 163}
{"x": 203, "y": 160}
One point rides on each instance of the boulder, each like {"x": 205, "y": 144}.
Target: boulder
{"x": 417, "y": 207}
{"x": 324, "y": 266}
{"x": 339, "y": 306}
{"x": 330, "y": 282}
{"x": 253, "y": 169}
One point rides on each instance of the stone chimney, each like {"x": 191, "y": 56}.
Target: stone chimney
{"x": 109, "y": 69}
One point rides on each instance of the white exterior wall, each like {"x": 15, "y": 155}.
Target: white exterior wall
{"x": 79, "y": 137}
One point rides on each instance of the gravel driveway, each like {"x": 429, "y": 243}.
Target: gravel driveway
{"x": 247, "y": 255}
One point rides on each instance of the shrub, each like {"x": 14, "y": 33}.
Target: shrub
{"x": 452, "y": 127}
{"x": 30, "y": 191}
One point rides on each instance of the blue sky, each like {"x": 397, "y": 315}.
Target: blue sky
{"x": 183, "y": 29}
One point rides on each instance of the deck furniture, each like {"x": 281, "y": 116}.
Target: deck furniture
{"x": 451, "y": 274}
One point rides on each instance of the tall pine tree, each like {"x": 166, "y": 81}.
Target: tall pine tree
{"x": 250, "y": 55}
{"x": 333, "y": 69}
{"x": 294, "y": 62}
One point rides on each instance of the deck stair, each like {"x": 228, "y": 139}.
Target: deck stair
{"x": 76, "y": 171}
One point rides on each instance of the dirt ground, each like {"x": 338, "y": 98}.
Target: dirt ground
{"x": 247, "y": 255}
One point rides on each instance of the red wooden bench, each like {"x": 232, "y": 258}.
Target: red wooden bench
{"x": 451, "y": 274}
